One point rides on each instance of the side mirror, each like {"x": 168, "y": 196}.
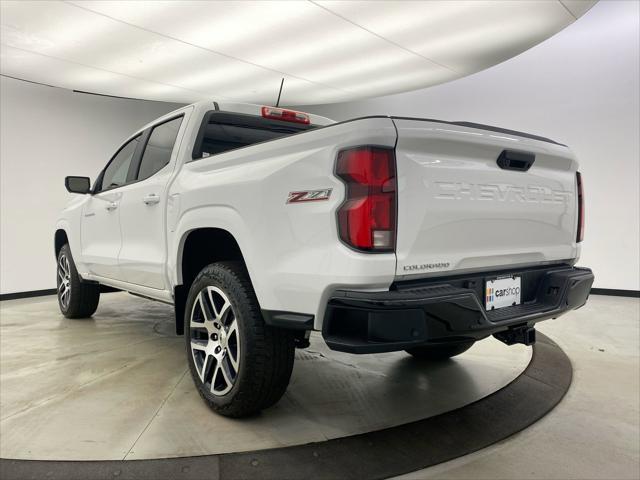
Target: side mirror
{"x": 78, "y": 184}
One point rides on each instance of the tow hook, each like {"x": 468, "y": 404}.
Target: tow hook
{"x": 524, "y": 335}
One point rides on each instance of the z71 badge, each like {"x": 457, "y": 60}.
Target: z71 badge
{"x": 309, "y": 195}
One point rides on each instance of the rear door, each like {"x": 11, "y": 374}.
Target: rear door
{"x": 459, "y": 210}
{"x": 100, "y": 235}
{"x": 143, "y": 206}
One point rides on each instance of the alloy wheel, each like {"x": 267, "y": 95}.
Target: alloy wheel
{"x": 64, "y": 281}
{"x": 215, "y": 340}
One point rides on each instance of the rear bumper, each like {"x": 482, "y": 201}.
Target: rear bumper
{"x": 447, "y": 310}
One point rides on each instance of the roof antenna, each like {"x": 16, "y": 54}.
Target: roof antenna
{"x": 280, "y": 92}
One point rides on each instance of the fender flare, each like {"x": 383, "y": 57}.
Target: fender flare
{"x": 63, "y": 225}
{"x": 221, "y": 217}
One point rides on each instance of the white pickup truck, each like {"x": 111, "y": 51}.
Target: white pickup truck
{"x": 262, "y": 224}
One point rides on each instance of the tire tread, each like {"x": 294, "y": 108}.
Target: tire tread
{"x": 267, "y": 352}
{"x": 84, "y": 296}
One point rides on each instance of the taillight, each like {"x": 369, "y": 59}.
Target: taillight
{"x": 580, "y": 235}
{"x": 367, "y": 218}
{"x": 285, "y": 115}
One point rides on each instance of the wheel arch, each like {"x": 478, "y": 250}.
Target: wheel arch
{"x": 195, "y": 251}
{"x": 60, "y": 238}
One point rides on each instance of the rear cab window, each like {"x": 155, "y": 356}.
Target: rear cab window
{"x": 157, "y": 152}
{"x": 224, "y": 131}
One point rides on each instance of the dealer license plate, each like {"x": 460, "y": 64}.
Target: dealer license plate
{"x": 502, "y": 292}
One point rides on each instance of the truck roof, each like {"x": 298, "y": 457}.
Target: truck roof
{"x": 318, "y": 120}
{"x": 243, "y": 108}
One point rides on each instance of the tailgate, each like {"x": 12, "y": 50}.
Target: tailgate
{"x": 458, "y": 210}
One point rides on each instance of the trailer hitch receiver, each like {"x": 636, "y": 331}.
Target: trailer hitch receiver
{"x": 523, "y": 335}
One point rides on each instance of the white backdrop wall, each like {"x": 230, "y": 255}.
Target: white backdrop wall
{"x": 580, "y": 88}
{"x": 47, "y": 133}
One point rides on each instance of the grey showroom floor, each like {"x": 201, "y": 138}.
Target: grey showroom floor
{"x": 116, "y": 387}
{"x": 594, "y": 433}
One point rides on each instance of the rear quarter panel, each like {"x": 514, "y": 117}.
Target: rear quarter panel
{"x": 292, "y": 251}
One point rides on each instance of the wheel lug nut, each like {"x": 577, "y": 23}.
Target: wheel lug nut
{"x": 217, "y": 325}
{"x": 214, "y": 336}
{"x": 217, "y": 350}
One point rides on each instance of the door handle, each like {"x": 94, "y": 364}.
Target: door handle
{"x": 151, "y": 199}
{"x": 111, "y": 206}
{"x": 515, "y": 160}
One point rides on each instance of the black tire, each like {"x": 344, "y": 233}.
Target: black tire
{"x": 76, "y": 299}
{"x": 264, "y": 354}
{"x": 440, "y": 352}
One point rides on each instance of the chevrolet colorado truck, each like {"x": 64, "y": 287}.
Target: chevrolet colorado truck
{"x": 262, "y": 224}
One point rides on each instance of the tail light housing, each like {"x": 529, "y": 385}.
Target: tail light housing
{"x": 367, "y": 218}
{"x": 580, "y": 235}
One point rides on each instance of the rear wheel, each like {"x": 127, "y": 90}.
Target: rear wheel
{"x": 440, "y": 352}
{"x": 77, "y": 299}
{"x": 239, "y": 364}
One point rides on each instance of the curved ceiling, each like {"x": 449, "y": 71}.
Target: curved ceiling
{"x": 327, "y": 51}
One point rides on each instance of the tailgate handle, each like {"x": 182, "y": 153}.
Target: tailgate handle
{"x": 514, "y": 160}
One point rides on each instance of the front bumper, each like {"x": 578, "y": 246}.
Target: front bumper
{"x": 449, "y": 309}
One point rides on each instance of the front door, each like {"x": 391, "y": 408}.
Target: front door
{"x": 100, "y": 235}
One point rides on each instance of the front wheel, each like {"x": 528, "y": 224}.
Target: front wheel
{"x": 77, "y": 299}
{"x": 239, "y": 364}
{"x": 440, "y": 352}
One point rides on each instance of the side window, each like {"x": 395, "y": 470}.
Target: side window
{"x": 115, "y": 175}
{"x": 157, "y": 153}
